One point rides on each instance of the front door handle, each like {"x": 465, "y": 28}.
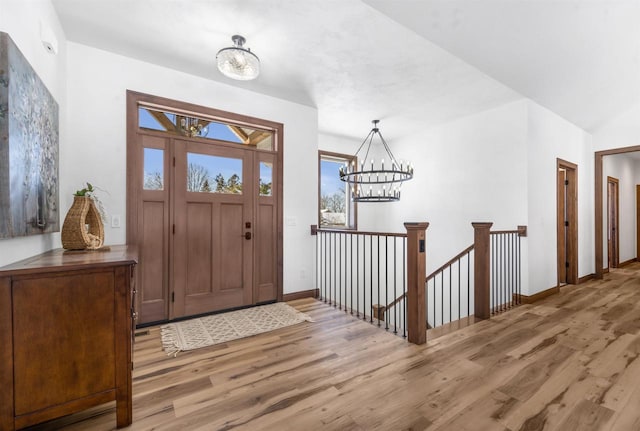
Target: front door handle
{"x": 247, "y": 235}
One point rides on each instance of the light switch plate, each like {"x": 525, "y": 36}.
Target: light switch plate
{"x": 115, "y": 221}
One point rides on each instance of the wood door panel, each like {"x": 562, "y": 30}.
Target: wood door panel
{"x": 153, "y": 298}
{"x": 232, "y": 246}
{"x": 152, "y": 236}
{"x": 212, "y": 258}
{"x": 89, "y": 316}
{"x": 199, "y": 253}
{"x": 266, "y": 252}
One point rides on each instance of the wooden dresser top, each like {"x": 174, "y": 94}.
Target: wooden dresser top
{"x": 67, "y": 260}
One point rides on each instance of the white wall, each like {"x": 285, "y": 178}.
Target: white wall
{"x": 98, "y": 81}
{"x": 622, "y": 131}
{"x": 469, "y": 170}
{"x": 627, "y": 171}
{"x": 550, "y": 137}
{"x": 22, "y": 20}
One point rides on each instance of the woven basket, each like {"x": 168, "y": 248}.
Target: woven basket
{"x": 82, "y": 228}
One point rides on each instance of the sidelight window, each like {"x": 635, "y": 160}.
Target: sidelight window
{"x": 266, "y": 179}
{"x": 153, "y": 169}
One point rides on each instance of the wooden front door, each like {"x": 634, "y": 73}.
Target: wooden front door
{"x": 613, "y": 235}
{"x": 213, "y": 239}
{"x": 205, "y": 213}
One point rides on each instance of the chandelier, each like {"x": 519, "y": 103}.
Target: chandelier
{"x": 372, "y": 183}
{"x": 192, "y": 127}
{"x": 237, "y": 62}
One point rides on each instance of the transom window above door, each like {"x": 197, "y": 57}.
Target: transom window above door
{"x": 183, "y": 124}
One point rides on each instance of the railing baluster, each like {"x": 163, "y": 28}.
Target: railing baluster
{"x": 339, "y": 271}
{"x": 519, "y": 271}
{"x": 442, "y": 298}
{"x": 395, "y": 295}
{"x": 404, "y": 285}
{"x": 327, "y": 260}
{"x": 351, "y": 272}
{"x": 502, "y": 259}
{"x": 511, "y": 283}
{"x": 333, "y": 269}
{"x": 450, "y": 281}
{"x": 357, "y": 275}
{"x": 386, "y": 281}
{"x": 371, "y": 276}
{"x": 435, "y": 323}
{"x": 498, "y": 299}
{"x": 499, "y": 274}
{"x": 469, "y": 283}
{"x": 378, "y": 268}
{"x": 493, "y": 272}
{"x": 459, "y": 286}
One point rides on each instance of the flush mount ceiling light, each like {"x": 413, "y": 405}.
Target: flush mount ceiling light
{"x": 371, "y": 183}
{"x": 238, "y": 62}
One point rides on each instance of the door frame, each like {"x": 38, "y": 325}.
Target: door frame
{"x": 637, "y": 221}
{"x": 570, "y": 204}
{"x": 134, "y": 167}
{"x": 598, "y": 203}
{"x": 613, "y": 247}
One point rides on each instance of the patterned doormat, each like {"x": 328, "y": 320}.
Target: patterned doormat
{"x": 220, "y": 328}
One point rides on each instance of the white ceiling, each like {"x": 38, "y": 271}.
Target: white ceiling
{"x": 412, "y": 64}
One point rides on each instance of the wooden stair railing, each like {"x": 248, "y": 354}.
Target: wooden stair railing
{"x": 347, "y": 269}
{"x": 379, "y": 310}
{"x": 482, "y": 275}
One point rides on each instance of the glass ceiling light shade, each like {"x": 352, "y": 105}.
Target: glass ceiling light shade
{"x": 238, "y": 62}
{"x": 375, "y": 183}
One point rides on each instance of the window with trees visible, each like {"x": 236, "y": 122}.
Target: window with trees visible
{"x": 213, "y": 174}
{"x": 336, "y": 210}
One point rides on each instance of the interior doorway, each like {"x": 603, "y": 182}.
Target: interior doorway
{"x": 567, "y": 222}
{"x": 204, "y": 195}
{"x": 599, "y": 204}
{"x": 613, "y": 233}
{"x": 637, "y": 222}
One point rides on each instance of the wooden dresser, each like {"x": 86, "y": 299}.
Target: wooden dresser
{"x": 66, "y": 326}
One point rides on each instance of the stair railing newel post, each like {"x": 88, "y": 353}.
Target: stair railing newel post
{"x": 416, "y": 275}
{"x": 481, "y": 268}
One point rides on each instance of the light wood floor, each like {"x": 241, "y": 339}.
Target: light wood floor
{"x": 570, "y": 362}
